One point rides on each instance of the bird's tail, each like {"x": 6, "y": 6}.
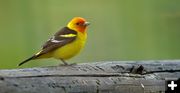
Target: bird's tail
{"x": 31, "y": 58}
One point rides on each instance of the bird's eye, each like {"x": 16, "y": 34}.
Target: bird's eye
{"x": 77, "y": 23}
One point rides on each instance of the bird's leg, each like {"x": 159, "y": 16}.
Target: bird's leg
{"x": 65, "y": 63}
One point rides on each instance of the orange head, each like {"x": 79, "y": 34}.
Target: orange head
{"x": 78, "y": 24}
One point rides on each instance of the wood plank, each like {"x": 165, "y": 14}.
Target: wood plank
{"x": 99, "y": 77}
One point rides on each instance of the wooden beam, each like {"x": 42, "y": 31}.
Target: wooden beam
{"x": 100, "y": 77}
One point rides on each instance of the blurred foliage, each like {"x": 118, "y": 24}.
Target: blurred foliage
{"x": 119, "y": 30}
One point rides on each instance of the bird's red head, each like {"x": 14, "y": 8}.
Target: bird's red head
{"x": 78, "y": 24}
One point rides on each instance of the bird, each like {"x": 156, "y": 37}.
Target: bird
{"x": 65, "y": 43}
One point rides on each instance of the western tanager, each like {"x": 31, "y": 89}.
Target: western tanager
{"x": 65, "y": 43}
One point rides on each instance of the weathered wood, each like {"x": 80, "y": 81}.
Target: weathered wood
{"x": 100, "y": 77}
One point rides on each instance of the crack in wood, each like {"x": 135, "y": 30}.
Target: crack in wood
{"x": 163, "y": 71}
{"x": 91, "y": 75}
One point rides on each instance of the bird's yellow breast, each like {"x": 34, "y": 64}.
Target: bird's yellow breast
{"x": 71, "y": 49}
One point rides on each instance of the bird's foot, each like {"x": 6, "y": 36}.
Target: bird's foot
{"x": 68, "y": 64}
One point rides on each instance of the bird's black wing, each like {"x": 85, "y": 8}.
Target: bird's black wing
{"x": 61, "y": 38}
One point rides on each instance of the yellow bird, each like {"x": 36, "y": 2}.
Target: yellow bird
{"x": 65, "y": 43}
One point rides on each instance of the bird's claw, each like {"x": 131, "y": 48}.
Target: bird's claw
{"x": 68, "y": 64}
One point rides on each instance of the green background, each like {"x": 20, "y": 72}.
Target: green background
{"x": 119, "y": 30}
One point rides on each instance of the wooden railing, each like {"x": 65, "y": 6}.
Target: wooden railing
{"x": 99, "y": 77}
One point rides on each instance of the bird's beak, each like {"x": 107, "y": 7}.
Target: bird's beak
{"x": 86, "y": 23}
